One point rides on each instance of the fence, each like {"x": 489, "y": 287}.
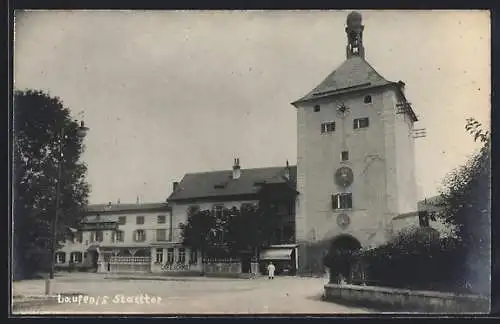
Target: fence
{"x": 222, "y": 266}
{"x": 128, "y": 264}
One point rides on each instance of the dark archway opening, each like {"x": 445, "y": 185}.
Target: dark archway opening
{"x": 341, "y": 258}
{"x": 93, "y": 256}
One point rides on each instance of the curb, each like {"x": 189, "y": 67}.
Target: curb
{"x": 174, "y": 278}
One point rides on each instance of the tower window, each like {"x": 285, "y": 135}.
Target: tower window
{"x": 327, "y": 127}
{"x": 368, "y": 99}
{"x": 361, "y": 123}
{"x": 317, "y": 108}
{"x": 344, "y": 155}
{"x": 342, "y": 201}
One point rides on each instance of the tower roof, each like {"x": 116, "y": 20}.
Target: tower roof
{"x": 354, "y": 74}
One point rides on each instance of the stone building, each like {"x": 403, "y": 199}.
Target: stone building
{"x": 355, "y": 167}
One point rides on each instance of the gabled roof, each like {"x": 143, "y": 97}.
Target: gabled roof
{"x": 220, "y": 183}
{"x": 354, "y": 74}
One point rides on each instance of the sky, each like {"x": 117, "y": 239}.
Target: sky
{"x": 170, "y": 92}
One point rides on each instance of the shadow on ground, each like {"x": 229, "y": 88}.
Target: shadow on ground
{"x": 369, "y": 308}
{"x": 379, "y": 307}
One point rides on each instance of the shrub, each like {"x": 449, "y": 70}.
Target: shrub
{"x": 415, "y": 259}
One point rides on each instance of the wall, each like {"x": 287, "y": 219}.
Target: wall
{"x": 319, "y": 156}
{"x": 402, "y": 300}
{"x": 150, "y": 225}
{"x": 381, "y": 157}
{"x": 75, "y": 246}
{"x": 405, "y": 159}
{"x": 401, "y": 223}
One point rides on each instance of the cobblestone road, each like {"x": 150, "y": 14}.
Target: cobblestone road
{"x": 283, "y": 295}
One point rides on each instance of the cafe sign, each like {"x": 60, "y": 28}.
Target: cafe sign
{"x": 102, "y": 226}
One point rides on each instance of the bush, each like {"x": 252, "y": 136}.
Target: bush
{"x": 416, "y": 259}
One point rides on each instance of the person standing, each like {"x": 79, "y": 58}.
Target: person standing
{"x": 270, "y": 270}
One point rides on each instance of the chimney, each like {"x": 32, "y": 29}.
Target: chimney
{"x": 236, "y": 169}
{"x": 175, "y": 186}
{"x": 287, "y": 171}
{"x": 118, "y": 201}
{"x": 137, "y": 200}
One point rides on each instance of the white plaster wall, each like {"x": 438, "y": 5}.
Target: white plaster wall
{"x": 300, "y": 207}
{"x": 405, "y": 161}
{"x": 320, "y": 156}
{"x": 150, "y": 225}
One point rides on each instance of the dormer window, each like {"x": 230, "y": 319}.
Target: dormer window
{"x": 367, "y": 99}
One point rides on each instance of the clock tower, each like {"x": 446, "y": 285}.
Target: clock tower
{"x": 355, "y": 167}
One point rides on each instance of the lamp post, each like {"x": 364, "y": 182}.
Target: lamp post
{"x": 81, "y": 133}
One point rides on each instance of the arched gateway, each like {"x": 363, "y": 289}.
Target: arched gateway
{"x": 339, "y": 258}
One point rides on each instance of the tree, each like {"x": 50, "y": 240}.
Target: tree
{"x": 249, "y": 229}
{"x": 466, "y": 204}
{"x": 38, "y": 119}
{"x": 198, "y": 232}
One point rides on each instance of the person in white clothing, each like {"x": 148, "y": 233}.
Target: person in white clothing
{"x": 270, "y": 270}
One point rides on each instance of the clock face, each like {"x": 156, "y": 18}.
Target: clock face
{"x": 343, "y": 221}
{"x": 342, "y": 110}
{"x": 344, "y": 176}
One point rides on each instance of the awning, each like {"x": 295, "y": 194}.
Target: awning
{"x": 276, "y": 254}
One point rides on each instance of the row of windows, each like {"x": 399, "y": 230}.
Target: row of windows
{"x": 74, "y": 257}
{"x": 367, "y": 99}
{"x": 139, "y": 220}
{"x": 329, "y": 127}
{"x": 217, "y": 209}
{"x": 119, "y": 236}
{"x": 78, "y": 257}
{"x": 179, "y": 258}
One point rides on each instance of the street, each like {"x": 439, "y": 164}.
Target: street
{"x": 184, "y": 295}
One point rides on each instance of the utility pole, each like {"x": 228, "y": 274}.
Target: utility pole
{"x": 81, "y": 132}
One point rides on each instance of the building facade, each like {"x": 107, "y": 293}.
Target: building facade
{"x": 355, "y": 167}
{"x": 128, "y": 238}
{"x": 271, "y": 187}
